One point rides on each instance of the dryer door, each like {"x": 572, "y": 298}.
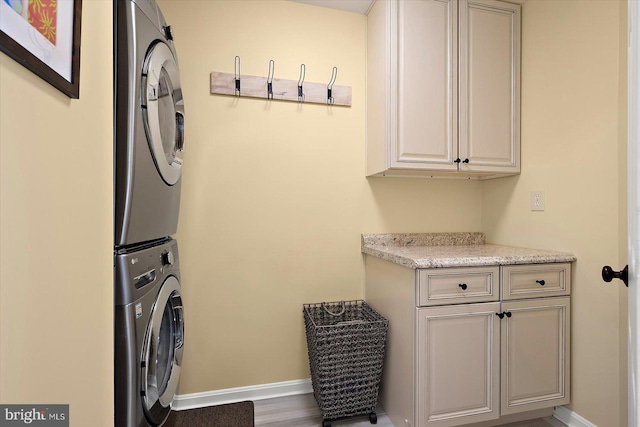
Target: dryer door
{"x": 163, "y": 111}
{"x": 162, "y": 352}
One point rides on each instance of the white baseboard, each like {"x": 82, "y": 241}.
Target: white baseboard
{"x": 570, "y": 418}
{"x": 239, "y": 394}
{"x": 295, "y": 387}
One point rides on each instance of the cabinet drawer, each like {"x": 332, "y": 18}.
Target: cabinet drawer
{"x": 535, "y": 280}
{"x": 457, "y": 285}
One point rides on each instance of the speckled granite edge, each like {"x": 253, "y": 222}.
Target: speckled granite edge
{"x": 423, "y": 239}
{"x": 408, "y": 250}
{"x": 469, "y": 261}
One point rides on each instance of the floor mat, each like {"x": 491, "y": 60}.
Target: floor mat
{"x": 230, "y": 415}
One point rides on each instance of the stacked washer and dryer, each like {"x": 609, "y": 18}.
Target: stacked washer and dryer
{"x": 149, "y": 143}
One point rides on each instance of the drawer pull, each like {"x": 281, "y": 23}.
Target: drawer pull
{"x": 541, "y": 282}
{"x": 463, "y": 286}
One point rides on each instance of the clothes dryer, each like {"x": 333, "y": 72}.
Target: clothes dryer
{"x": 149, "y": 125}
{"x": 149, "y": 333}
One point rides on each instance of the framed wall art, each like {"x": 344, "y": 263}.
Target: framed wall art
{"x": 44, "y": 36}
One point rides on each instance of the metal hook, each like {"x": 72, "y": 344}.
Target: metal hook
{"x": 270, "y": 79}
{"x": 236, "y": 71}
{"x": 303, "y": 69}
{"x": 334, "y": 75}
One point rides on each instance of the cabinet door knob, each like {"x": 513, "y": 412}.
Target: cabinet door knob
{"x": 541, "y": 282}
{"x": 463, "y": 286}
{"x": 500, "y": 315}
{"x": 608, "y": 274}
{"x": 465, "y": 161}
{"x": 457, "y": 160}
{"x": 508, "y": 313}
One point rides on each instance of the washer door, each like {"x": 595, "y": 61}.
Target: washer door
{"x": 163, "y": 111}
{"x": 162, "y": 352}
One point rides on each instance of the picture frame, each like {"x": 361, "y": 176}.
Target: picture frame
{"x": 44, "y": 37}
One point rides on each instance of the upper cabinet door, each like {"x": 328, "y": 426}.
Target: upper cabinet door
{"x": 426, "y": 85}
{"x": 489, "y": 73}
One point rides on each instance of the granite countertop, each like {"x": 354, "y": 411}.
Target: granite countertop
{"x": 437, "y": 250}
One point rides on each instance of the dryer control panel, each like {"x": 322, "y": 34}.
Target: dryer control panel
{"x": 136, "y": 268}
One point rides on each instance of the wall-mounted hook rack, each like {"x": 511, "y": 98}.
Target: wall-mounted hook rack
{"x": 280, "y": 89}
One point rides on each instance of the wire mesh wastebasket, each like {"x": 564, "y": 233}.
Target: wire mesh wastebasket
{"x": 345, "y": 342}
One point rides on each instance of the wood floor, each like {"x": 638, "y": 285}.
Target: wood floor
{"x": 302, "y": 411}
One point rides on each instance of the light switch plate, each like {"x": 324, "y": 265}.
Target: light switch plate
{"x": 537, "y": 200}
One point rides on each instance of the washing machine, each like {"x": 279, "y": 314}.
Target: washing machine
{"x": 149, "y": 333}
{"x": 149, "y": 124}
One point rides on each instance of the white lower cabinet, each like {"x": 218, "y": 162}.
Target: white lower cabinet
{"x": 458, "y": 364}
{"x": 473, "y": 361}
{"x": 469, "y": 356}
{"x": 534, "y": 354}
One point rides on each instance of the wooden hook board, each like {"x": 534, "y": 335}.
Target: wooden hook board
{"x": 283, "y": 90}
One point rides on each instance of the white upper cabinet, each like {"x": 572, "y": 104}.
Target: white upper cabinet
{"x": 443, "y": 88}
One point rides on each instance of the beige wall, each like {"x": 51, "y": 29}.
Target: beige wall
{"x": 573, "y": 107}
{"x": 56, "y": 233}
{"x": 274, "y": 193}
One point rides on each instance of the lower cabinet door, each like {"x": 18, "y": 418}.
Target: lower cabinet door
{"x": 535, "y": 354}
{"x": 458, "y": 364}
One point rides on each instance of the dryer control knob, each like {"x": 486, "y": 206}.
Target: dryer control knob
{"x": 167, "y": 258}
{"x": 167, "y": 32}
